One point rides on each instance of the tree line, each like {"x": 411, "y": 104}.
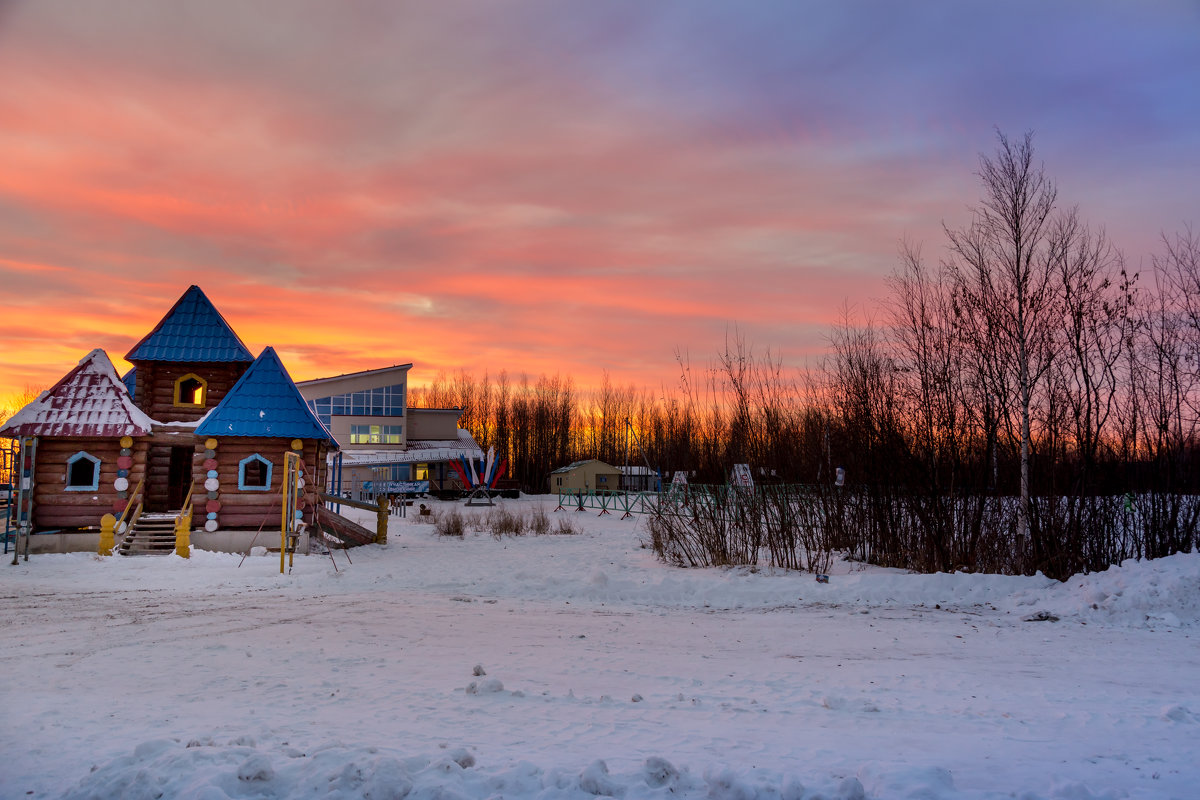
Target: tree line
{"x": 1023, "y": 403}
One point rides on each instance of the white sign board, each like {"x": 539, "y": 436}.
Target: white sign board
{"x": 741, "y": 476}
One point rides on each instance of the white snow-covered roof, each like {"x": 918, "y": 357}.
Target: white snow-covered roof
{"x": 90, "y": 400}
{"x": 575, "y": 464}
{"x": 419, "y": 451}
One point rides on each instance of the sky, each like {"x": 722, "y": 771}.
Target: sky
{"x": 546, "y": 186}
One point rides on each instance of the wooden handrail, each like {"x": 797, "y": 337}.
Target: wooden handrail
{"x": 187, "y": 500}
{"x": 329, "y": 498}
{"x": 135, "y": 498}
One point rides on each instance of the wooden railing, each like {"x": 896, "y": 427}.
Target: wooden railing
{"x": 127, "y": 520}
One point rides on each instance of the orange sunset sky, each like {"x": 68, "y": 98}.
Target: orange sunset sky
{"x": 564, "y": 187}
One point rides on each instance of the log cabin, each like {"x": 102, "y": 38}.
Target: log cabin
{"x": 197, "y": 417}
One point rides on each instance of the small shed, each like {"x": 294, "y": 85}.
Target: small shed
{"x": 590, "y": 475}
{"x": 640, "y": 479}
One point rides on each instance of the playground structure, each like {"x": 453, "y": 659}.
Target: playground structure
{"x": 8, "y": 459}
{"x": 17, "y": 457}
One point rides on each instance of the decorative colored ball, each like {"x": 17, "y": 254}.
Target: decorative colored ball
{"x": 211, "y": 444}
{"x": 119, "y": 505}
{"x": 210, "y": 463}
{"x": 122, "y": 473}
{"x": 212, "y": 473}
{"x": 297, "y": 445}
{"x": 126, "y": 441}
{"x": 211, "y": 525}
{"x": 121, "y": 484}
{"x": 210, "y": 453}
{"x": 300, "y": 483}
{"x": 122, "y": 495}
{"x": 212, "y": 484}
{"x": 212, "y": 495}
{"x": 125, "y": 451}
{"x": 212, "y": 506}
{"x": 299, "y": 515}
{"x": 300, "y": 502}
{"x": 212, "y": 515}
{"x": 124, "y": 462}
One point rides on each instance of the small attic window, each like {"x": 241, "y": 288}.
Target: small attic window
{"x": 254, "y": 474}
{"x": 83, "y": 473}
{"x": 190, "y": 391}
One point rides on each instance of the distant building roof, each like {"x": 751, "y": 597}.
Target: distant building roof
{"x": 90, "y": 400}
{"x": 130, "y": 381}
{"x": 264, "y": 402}
{"x": 349, "y": 375}
{"x": 575, "y": 464}
{"x": 192, "y": 331}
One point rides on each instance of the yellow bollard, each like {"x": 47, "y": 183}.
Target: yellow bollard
{"x": 183, "y": 536}
{"x": 107, "y": 523}
{"x": 381, "y": 520}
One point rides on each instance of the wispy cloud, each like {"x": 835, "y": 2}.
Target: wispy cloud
{"x": 543, "y": 186}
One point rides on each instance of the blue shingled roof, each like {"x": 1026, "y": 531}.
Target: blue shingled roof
{"x": 192, "y": 331}
{"x": 130, "y": 381}
{"x": 264, "y": 402}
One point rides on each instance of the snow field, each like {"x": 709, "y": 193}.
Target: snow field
{"x": 575, "y": 667}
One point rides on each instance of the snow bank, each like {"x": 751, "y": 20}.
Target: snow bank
{"x": 608, "y": 675}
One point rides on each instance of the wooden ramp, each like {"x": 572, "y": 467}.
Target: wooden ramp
{"x": 348, "y": 532}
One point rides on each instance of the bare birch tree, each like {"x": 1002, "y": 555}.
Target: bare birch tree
{"x": 1001, "y": 265}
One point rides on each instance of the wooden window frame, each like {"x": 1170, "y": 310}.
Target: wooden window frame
{"x": 75, "y": 459}
{"x": 242, "y": 487}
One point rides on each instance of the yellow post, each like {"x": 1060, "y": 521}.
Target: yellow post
{"x": 107, "y": 523}
{"x": 183, "y": 536}
{"x": 291, "y": 493}
{"x": 381, "y": 520}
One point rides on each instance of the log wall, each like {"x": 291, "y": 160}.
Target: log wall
{"x": 54, "y": 506}
{"x": 155, "y": 390}
{"x": 252, "y": 509}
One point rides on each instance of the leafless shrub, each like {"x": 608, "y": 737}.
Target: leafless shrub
{"x": 449, "y": 523}
{"x": 566, "y": 527}
{"x": 502, "y": 522}
{"x": 723, "y": 526}
{"x": 539, "y": 521}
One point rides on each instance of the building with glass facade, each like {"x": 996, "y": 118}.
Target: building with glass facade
{"x": 387, "y": 446}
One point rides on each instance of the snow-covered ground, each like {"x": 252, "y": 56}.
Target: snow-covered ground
{"x": 575, "y": 666}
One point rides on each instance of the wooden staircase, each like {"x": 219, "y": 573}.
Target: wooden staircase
{"x": 152, "y": 534}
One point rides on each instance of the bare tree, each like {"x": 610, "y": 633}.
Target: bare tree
{"x": 1002, "y": 268}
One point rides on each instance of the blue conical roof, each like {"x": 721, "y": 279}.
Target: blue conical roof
{"x": 264, "y": 402}
{"x": 192, "y": 331}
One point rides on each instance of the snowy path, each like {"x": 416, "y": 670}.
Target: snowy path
{"x": 750, "y": 696}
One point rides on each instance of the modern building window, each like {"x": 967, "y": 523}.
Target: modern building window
{"x": 381, "y": 401}
{"x": 83, "y": 473}
{"x": 421, "y": 472}
{"x": 376, "y": 434}
{"x": 254, "y": 474}
{"x": 190, "y": 391}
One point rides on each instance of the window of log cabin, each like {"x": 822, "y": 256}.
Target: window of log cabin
{"x": 254, "y": 474}
{"x": 83, "y": 473}
{"x": 190, "y": 391}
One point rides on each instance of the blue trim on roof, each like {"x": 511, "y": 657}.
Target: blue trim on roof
{"x": 192, "y": 331}
{"x": 264, "y": 402}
